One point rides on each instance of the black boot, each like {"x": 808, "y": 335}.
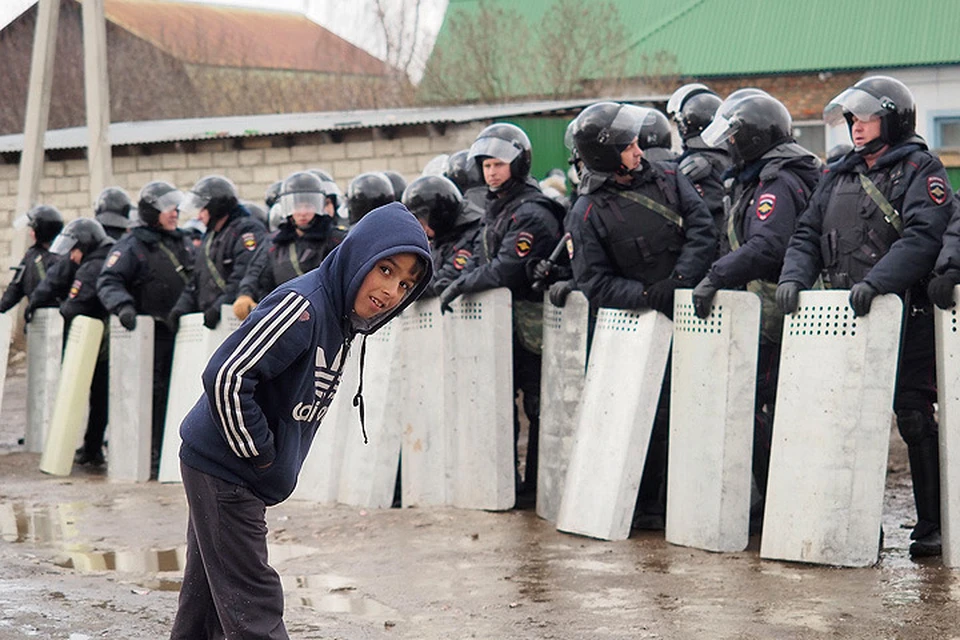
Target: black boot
{"x": 924, "y": 453}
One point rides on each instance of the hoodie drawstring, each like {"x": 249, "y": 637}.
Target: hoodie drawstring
{"x": 358, "y": 398}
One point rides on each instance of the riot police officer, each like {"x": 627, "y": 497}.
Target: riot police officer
{"x": 771, "y": 183}
{"x": 112, "y": 210}
{"x": 451, "y": 222}
{"x": 305, "y": 237}
{"x": 398, "y": 182}
{"x": 45, "y": 222}
{"x": 84, "y": 244}
{"x": 521, "y": 226}
{"x": 692, "y": 107}
{"x": 228, "y": 247}
{"x": 874, "y": 226}
{"x": 638, "y": 232}
{"x": 366, "y": 192}
{"x": 145, "y": 274}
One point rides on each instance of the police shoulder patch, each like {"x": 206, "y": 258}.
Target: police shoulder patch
{"x": 112, "y": 260}
{"x": 75, "y": 288}
{"x": 765, "y": 205}
{"x": 249, "y": 241}
{"x": 460, "y": 259}
{"x": 524, "y": 243}
{"x": 937, "y": 189}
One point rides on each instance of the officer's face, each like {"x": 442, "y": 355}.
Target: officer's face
{"x": 76, "y": 255}
{"x": 495, "y": 172}
{"x": 427, "y": 229}
{"x": 303, "y": 215}
{"x": 168, "y": 219}
{"x": 387, "y": 284}
{"x": 204, "y": 216}
{"x": 864, "y": 131}
{"x": 630, "y": 157}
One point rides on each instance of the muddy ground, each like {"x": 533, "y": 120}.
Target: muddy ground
{"x": 81, "y": 557}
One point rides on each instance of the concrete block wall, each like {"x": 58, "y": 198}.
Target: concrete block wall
{"x": 252, "y": 163}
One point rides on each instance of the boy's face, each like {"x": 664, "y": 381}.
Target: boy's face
{"x": 387, "y": 284}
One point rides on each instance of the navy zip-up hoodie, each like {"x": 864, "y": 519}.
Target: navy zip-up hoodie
{"x": 270, "y": 383}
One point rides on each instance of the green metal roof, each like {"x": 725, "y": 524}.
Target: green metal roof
{"x": 746, "y": 37}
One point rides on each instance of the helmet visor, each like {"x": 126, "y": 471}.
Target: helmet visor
{"x": 495, "y": 148}
{"x": 63, "y": 243}
{"x": 191, "y": 205}
{"x": 169, "y": 200}
{"x": 302, "y": 201}
{"x": 436, "y": 166}
{"x": 719, "y": 132}
{"x": 20, "y": 222}
{"x": 857, "y": 102}
{"x": 680, "y": 95}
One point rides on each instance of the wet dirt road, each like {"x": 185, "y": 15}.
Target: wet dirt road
{"x": 82, "y": 557}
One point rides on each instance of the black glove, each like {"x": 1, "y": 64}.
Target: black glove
{"x": 448, "y": 295}
{"x": 28, "y": 314}
{"x": 173, "y": 320}
{"x": 861, "y": 295}
{"x": 128, "y": 317}
{"x": 788, "y": 297}
{"x": 703, "y": 297}
{"x": 539, "y": 274}
{"x": 211, "y": 317}
{"x": 559, "y": 292}
{"x": 940, "y": 289}
{"x": 660, "y": 295}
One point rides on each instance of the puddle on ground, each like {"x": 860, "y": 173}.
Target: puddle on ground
{"x": 55, "y": 526}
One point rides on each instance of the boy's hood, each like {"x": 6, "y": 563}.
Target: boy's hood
{"x": 385, "y": 231}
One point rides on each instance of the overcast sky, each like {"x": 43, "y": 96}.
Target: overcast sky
{"x": 354, "y": 21}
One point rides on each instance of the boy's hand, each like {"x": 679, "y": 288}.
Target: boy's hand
{"x": 242, "y": 306}
{"x": 447, "y": 296}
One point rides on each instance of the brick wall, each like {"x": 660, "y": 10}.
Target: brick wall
{"x": 252, "y": 163}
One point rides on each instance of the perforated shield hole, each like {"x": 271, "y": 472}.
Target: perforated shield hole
{"x": 618, "y": 320}
{"x": 953, "y": 320}
{"x": 421, "y": 320}
{"x": 822, "y": 320}
{"x": 469, "y": 310}
{"x": 552, "y": 317}
{"x": 685, "y": 320}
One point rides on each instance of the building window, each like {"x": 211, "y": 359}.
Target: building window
{"x": 811, "y": 136}
{"x": 946, "y": 132}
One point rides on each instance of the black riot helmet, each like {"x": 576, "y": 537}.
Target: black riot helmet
{"x": 46, "y": 222}
{"x": 156, "y": 198}
{"x": 398, "y": 182}
{"x": 435, "y": 200}
{"x": 876, "y": 97}
{"x": 112, "y": 208}
{"x": 750, "y": 127}
{"x": 300, "y": 191}
{"x": 505, "y": 142}
{"x": 216, "y": 194}
{"x": 85, "y": 234}
{"x": 334, "y": 195}
{"x": 696, "y": 114}
{"x": 366, "y": 192}
{"x": 272, "y": 195}
{"x": 654, "y": 130}
{"x": 256, "y": 211}
{"x": 462, "y": 172}
{"x": 602, "y": 131}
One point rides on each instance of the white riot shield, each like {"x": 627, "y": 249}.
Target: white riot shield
{"x": 561, "y": 386}
{"x": 131, "y": 400}
{"x": 369, "y": 473}
{"x": 628, "y": 358}
{"x": 192, "y": 349}
{"x": 831, "y": 431}
{"x": 44, "y": 352}
{"x": 73, "y": 393}
{"x": 713, "y": 386}
{"x": 319, "y": 479}
{"x": 6, "y": 327}
{"x": 948, "y": 391}
{"x": 478, "y": 400}
{"x": 423, "y": 461}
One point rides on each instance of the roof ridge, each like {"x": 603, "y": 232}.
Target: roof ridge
{"x": 660, "y": 26}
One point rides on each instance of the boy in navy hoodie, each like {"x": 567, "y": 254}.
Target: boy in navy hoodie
{"x": 266, "y": 389}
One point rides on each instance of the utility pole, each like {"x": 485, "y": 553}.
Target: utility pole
{"x": 97, "y": 94}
